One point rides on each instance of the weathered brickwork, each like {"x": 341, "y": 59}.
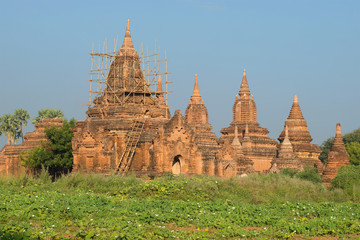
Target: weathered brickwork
{"x": 129, "y": 128}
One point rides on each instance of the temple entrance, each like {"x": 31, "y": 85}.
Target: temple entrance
{"x": 228, "y": 171}
{"x": 176, "y": 166}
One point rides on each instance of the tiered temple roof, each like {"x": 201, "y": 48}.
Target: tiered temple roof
{"x": 256, "y": 145}
{"x": 196, "y": 116}
{"x": 300, "y": 138}
{"x": 337, "y": 157}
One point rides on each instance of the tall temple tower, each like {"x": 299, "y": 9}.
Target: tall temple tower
{"x": 122, "y": 119}
{"x": 256, "y": 145}
{"x": 300, "y": 138}
{"x": 196, "y": 116}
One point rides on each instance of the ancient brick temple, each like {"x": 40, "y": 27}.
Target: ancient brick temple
{"x": 10, "y": 162}
{"x": 128, "y": 128}
{"x": 337, "y": 158}
{"x": 255, "y": 143}
{"x": 300, "y": 138}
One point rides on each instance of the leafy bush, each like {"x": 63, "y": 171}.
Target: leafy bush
{"x": 291, "y": 172}
{"x": 309, "y": 174}
{"x": 55, "y": 154}
{"x": 348, "y": 179}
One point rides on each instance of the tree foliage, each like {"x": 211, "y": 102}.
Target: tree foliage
{"x": 348, "y": 179}
{"x": 48, "y": 113}
{"x": 352, "y": 149}
{"x": 11, "y": 125}
{"x": 55, "y": 154}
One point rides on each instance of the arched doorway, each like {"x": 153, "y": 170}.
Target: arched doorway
{"x": 176, "y": 166}
{"x": 228, "y": 171}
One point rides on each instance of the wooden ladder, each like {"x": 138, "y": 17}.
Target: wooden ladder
{"x": 131, "y": 140}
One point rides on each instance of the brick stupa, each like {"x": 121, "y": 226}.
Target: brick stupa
{"x": 300, "y": 138}
{"x": 256, "y": 145}
{"x": 337, "y": 158}
{"x": 285, "y": 157}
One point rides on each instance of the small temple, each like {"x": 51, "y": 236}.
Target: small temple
{"x": 129, "y": 128}
{"x": 300, "y": 138}
{"x": 337, "y": 158}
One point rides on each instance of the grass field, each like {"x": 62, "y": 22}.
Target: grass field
{"x": 96, "y": 207}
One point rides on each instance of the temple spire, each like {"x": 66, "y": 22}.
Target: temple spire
{"x": 244, "y": 87}
{"x": 196, "y": 98}
{"x": 159, "y": 93}
{"x": 338, "y": 144}
{"x": 127, "y": 43}
{"x": 286, "y": 139}
{"x": 236, "y": 141}
{"x": 295, "y": 112}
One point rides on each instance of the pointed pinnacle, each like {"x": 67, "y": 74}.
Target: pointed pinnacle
{"x": 159, "y": 90}
{"x": 236, "y": 141}
{"x": 127, "y": 43}
{"x": 244, "y": 87}
{"x": 196, "y": 97}
{"x": 296, "y": 99}
{"x": 159, "y": 86}
{"x": 338, "y": 144}
{"x": 338, "y": 129}
{"x": 295, "y": 112}
{"x": 286, "y": 139}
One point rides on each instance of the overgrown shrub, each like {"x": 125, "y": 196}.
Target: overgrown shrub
{"x": 348, "y": 179}
{"x": 309, "y": 174}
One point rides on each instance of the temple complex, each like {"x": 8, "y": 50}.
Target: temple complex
{"x": 10, "y": 162}
{"x": 256, "y": 145}
{"x": 337, "y": 157}
{"x": 300, "y": 138}
{"x": 129, "y": 128}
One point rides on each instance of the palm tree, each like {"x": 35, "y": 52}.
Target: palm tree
{"x": 22, "y": 116}
{"x": 9, "y": 125}
{"x": 48, "y": 113}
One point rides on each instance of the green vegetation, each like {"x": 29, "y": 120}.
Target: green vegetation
{"x": 89, "y": 206}
{"x": 348, "y": 179}
{"x": 352, "y": 144}
{"x": 55, "y": 154}
{"x": 309, "y": 174}
{"x": 48, "y": 113}
{"x": 11, "y": 125}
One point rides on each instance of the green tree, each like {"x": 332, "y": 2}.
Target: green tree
{"x": 55, "y": 154}
{"x": 348, "y": 179}
{"x": 22, "y": 116}
{"x": 350, "y": 137}
{"x": 353, "y": 149}
{"x": 325, "y": 147}
{"x": 48, "y": 113}
{"x": 9, "y": 126}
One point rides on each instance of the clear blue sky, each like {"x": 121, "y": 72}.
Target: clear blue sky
{"x": 308, "y": 48}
